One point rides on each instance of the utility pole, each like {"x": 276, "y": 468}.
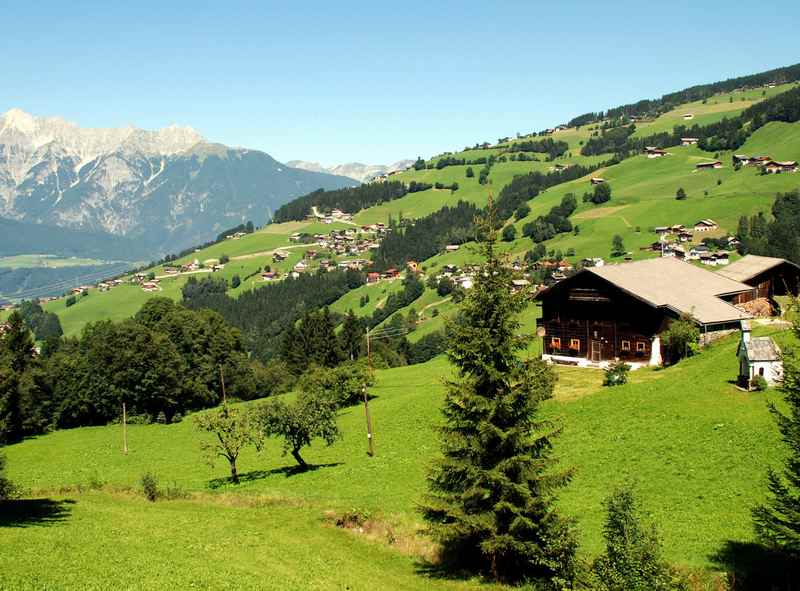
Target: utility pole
{"x": 124, "y": 429}
{"x": 222, "y": 381}
{"x": 370, "y": 444}
{"x": 381, "y": 333}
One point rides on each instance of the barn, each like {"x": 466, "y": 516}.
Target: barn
{"x": 768, "y": 275}
{"x": 614, "y": 312}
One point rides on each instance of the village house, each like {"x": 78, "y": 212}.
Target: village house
{"x": 373, "y": 277}
{"x": 758, "y": 356}
{"x": 777, "y": 166}
{"x": 269, "y": 275}
{"x": 518, "y": 285}
{"x": 653, "y": 152}
{"x": 391, "y": 273}
{"x": 464, "y": 281}
{"x": 706, "y": 225}
{"x": 708, "y": 165}
{"x": 743, "y": 160}
{"x": 300, "y": 267}
{"x": 596, "y": 180}
{"x": 601, "y": 314}
{"x": 689, "y": 141}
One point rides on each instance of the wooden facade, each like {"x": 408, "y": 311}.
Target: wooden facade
{"x": 783, "y": 279}
{"x": 590, "y": 318}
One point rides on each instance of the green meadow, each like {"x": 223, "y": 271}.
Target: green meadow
{"x": 694, "y": 446}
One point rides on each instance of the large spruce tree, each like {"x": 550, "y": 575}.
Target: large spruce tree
{"x": 491, "y": 496}
{"x": 777, "y": 523}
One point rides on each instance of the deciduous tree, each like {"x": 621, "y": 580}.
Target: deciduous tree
{"x": 233, "y": 430}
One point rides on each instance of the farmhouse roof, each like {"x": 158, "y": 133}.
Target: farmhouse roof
{"x": 750, "y": 266}
{"x": 762, "y": 349}
{"x": 669, "y": 283}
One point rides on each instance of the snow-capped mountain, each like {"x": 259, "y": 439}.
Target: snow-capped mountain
{"x": 353, "y": 170}
{"x": 169, "y": 188}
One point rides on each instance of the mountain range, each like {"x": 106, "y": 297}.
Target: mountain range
{"x": 354, "y": 170}
{"x": 165, "y": 189}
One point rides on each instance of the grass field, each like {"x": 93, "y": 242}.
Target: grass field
{"x": 695, "y": 447}
{"x": 100, "y": 540}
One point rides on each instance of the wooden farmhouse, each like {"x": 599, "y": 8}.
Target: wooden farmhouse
{"x": 689, "y": 141}
{"x": 776, "y": 166}
{"x": 653, "y": 152}
{"x": 614, "y": 312}
{"x": 708, "y": 165}
{"x": 769, "y": 276}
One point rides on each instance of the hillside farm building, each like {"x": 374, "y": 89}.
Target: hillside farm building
{"x": 776, "y": 166}
{"x": 618, "y": 311}
{"x": 708, "y": 165}
{"x": 705, "y": 226}
{"x": 653, "y": 152}
{"x": 769, "y": 276}
{"x": 689, "y": 141}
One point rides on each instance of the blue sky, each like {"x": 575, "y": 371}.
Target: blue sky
{"x": 372, "y": 81}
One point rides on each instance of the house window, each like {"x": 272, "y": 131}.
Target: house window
{"x": 575, "y": 344}
{"x": 641, "y": 346}
{"x": 761, "y": 371}
{"x": 555, "y": 342}
{"x": 626, "y": 345}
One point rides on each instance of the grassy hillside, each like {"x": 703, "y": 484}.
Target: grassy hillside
{"x": 695, "y": 447}
{"x": 247, "y": 256}
{"x": 728, "y": 104}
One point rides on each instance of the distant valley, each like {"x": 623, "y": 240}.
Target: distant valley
{"x": 354, "y": 170}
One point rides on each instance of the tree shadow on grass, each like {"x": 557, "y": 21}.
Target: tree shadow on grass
{"x": 287, "y": 471}
{"x": 453, "y": 563}
{"x": 753, "y": 567}
{"x": 30, "y": 512}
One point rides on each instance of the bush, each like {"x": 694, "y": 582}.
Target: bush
{"x": 681, "y": 339}
{"x": 759, "y": 383}
{"x": 509, "y": 233}
{"x": 149, "y": 484}
{"x": 70, "y": 301}
{"x": 224, "y": 259}
{"x": 680, "y": 194}
{"x": 236, "y": 281}
{"x": 616, "y": 374}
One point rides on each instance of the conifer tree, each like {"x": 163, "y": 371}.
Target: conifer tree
{"x": 491, "y": 496}
{"x": 777, "y": 523}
